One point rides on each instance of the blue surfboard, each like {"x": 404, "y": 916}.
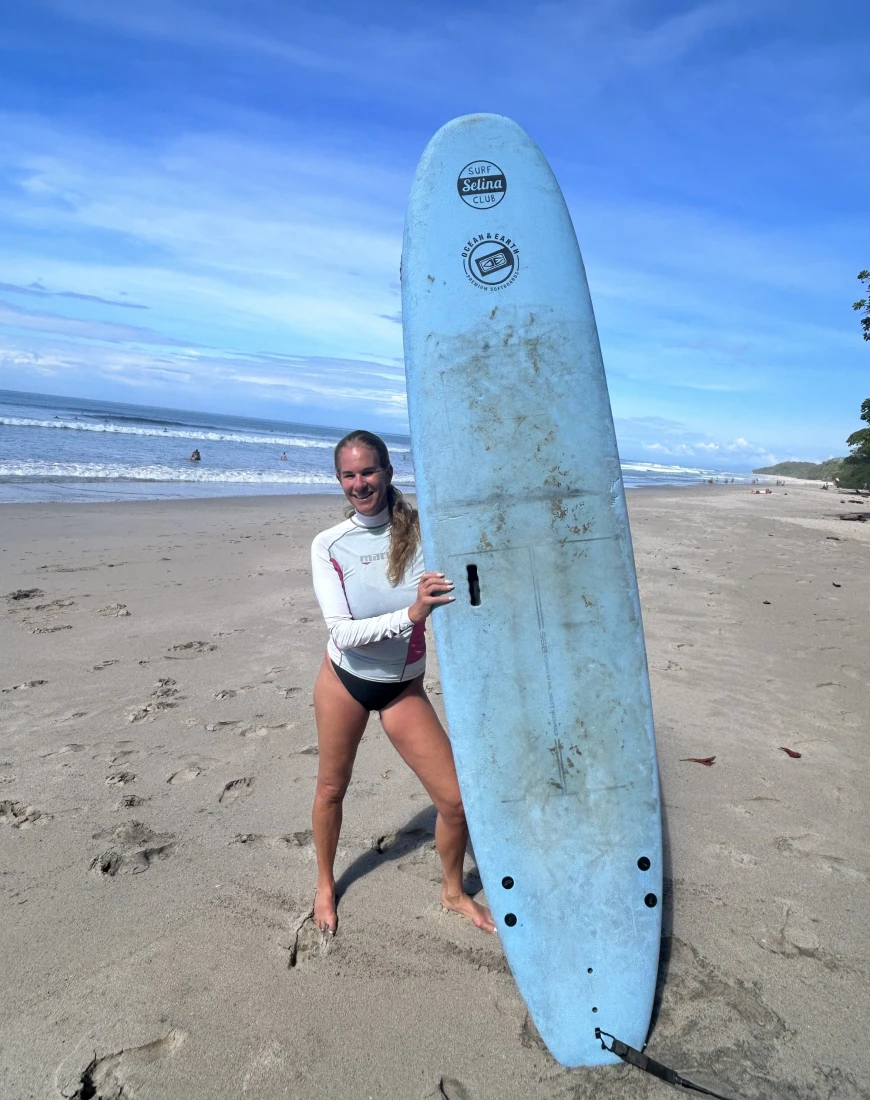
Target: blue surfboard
{"x": 542, "y": 655}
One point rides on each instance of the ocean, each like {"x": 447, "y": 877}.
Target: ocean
{"x": 72, "y": 449}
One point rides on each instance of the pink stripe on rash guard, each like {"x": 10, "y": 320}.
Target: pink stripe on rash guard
{"x": 337, "y": 568}
{"x": 417, "y": 643}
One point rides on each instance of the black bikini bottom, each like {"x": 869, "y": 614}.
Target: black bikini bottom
{"x": 371, "y": 694}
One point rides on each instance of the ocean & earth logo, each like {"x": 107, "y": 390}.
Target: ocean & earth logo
{"x": 491, "y": 260}
{"x": 481, "y": 184}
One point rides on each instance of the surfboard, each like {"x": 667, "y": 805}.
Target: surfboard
{"x": 542, "y": 657}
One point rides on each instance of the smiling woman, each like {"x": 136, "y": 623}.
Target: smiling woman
{"x": 375, "y": 597}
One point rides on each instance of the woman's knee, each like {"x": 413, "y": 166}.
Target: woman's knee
{"x": 331, "y": 791}
{"x": 452, "y": 811}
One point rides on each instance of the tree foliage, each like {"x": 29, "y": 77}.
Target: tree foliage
{"x": 864, "y": 304}
{"x": 812, "y": 471}
{"x": 856, "y": 468}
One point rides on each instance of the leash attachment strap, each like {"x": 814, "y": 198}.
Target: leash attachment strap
{"x": 649, "y": 1065}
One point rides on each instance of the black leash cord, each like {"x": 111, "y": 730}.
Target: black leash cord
{"x": 648, "y": 1065}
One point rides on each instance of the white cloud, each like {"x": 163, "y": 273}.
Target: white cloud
{"x": 110, "y": 331}
{"x": 193, "y": 377}
{"x": 299, "y": 247}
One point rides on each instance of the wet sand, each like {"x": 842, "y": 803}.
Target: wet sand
{"x": 157, "y": 759}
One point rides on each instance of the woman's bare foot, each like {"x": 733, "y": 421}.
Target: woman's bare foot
{"x": 325, "y": 916}
{"x": 467, "y": 907}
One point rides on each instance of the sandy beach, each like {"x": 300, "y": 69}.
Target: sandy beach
{"x": 157, "y": 761}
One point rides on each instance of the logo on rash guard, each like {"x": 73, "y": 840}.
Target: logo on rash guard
{"x": 367, "y": 559}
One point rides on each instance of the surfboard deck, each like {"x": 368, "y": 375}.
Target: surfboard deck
{"x": 542, "y": 657}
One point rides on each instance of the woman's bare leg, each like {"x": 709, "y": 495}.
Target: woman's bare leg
{"x": 412, "y": 725}
{"x": 341, "y": 722}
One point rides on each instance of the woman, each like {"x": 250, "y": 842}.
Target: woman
{"x": 375, "y": 597}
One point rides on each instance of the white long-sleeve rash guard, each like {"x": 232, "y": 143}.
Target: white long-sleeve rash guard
{"x": 370, "y": 632}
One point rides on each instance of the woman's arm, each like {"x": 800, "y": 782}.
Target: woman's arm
{"x": 345, "y": 631}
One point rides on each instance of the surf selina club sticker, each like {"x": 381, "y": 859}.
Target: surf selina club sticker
{"x": 481, "y": 184}
{"x": 491, "y": 260}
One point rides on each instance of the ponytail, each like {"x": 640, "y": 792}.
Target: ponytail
{"x": 404, "y": 535}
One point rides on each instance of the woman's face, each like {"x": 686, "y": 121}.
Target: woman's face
{"x": 363, "y": 479}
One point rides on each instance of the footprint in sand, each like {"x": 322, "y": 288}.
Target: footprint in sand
{"x": 404, "y": 840}
{"x": 738, "y": 858}
{"x": 236, "y": 789}
{"x": 63, "y": 751}
{"x": 114, "y": 610}
{"x": 309, "y": 944}
{"x": 808, "y": 845}
{"x": 448, "y": 1088}
{"x": 164, "y": 697}
{"x": 24, "y": 594}
{"x": 84, "y": 1073}
{"x": 20, "y": 816}
{"x": 302, "y": 839}
{"x": 130, "y": 800}
{"x": 795, "y": 938}
{"x": 264, "y": 731}
{"x": 184, "y": 651}
{"x": 104, "y": 664}
{"x": 49, "y": 629}
{"x": 185, "y": 775}
{"x": 120, "y": 779}
{"x": 54, "y": 605}
{"x": 135, "y": 849}
{"x": 25, "y": 686}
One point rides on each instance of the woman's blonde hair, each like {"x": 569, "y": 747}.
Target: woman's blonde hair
{"x": 405, "y": 520}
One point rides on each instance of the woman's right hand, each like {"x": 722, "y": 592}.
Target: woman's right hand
{"x": 432, "y": 592}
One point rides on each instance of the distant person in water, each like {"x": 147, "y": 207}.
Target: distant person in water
{"x": 196, "y": 456}
{"x": 284, "y": 457}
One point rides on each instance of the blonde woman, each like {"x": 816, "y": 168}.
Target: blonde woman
{"x": 375, "y": 598}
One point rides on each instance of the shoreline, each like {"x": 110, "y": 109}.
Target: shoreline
{"x": 321, "y": 495}
{"x": 156, "y": 771}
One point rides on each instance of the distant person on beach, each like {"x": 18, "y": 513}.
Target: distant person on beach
{"x": 195, "y": 456}
{"x": 375, "y": 596}
{"x": 284, "y": 456}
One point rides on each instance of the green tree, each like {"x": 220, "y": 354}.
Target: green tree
{"x": 864, "y": 304}
{"x": 856, "y": 468}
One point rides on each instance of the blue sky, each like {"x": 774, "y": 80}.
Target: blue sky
{"x": 201, "y": 205}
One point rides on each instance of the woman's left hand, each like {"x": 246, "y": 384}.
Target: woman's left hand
{"x": 432, "y": 591}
